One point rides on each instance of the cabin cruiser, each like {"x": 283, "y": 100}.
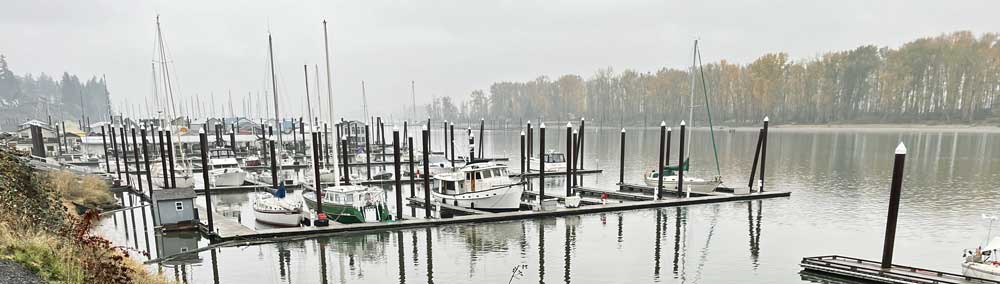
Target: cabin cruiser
{"x": 224, "y": 170}
{"x": 479, "y": 185}
{"x": 349, "y": 204}
{"x": 554, "y": 161}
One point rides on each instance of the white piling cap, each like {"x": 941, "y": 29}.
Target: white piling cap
{"x": 542, "y": 126}
{"x": 574, "y": 131}
{"x": 623, "y": 129}
{"x": 522, "y": 132}
{"x": 581, "y": 119}
{"x": 683, "y": 123}
{"x": 452, "y": 124}
{"x": 201, "y": 130}
{"x": 395, "y": 128}
{"x": 663, "y": 123}
{"x": 425, "y": 127}
{"x": 766, "y": 119}
{"x": 481, "y": 119}
{"x": 901, "y": 149}
{"x": 343, "y": 138}
{"x": 568, "y": 125}
{"x": 529, "y": 122}
{"x": 670, "y": 129}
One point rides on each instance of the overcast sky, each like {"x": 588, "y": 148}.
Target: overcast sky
{"x": 449, "y": 48}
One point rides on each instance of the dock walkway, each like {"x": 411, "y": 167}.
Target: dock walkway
{"x": 419, "y": 201}
{"x": 872, "y": 271}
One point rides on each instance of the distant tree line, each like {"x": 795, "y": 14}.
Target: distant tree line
{"x": 951, "y": 78}
{"x": 67, "y": 98}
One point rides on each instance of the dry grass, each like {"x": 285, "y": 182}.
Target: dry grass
{"x": 89, "y": 191}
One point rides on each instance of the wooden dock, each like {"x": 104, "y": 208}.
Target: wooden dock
{"x": 869, "y": 270}
{"x": 559, "y": 174}
{"x": 230, "y": 232}
{"x": 453, "y": 208}
{"x": 622, "y": 195}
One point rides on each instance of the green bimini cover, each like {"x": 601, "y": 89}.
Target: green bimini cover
{"x": 670, "y": 170}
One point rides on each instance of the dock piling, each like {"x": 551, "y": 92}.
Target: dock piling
{"x": 895, "y": 190}
{"x": 763, "y": 155}
{"x": 124, "y": 142}
{"x": 529, "y": 145}
{"x": 274, "y": 165}
{"x": 756, "y": 158}
{"x": 425, "y": 136}
{"x": 409, "y": 141}
{"x": 572, "y": 156}
{"x": 104, "y": 143}
{"x": 522, "y": 153}
{"x": 397, "y": 174}
{"x": 163, "y": 158}
{"x": 659, "y": 165}
{"x": 347, "y": 165}
{"x": 170, "y": 154}
{"x": 621, "y": 158}
{"x": 203, "y": 140}
{"x": 568, "y": 157}
{"x": 326, "y": 144}
{"x": 232, "y": 138}
{"x": 680, "y": 161}
{"x": 316, "y": 181}
{"x": 138, "y": 166}
{"x": 482, "y": 123}
{"x": 368, "y": 152}
{"x": 149, "y": 172}
{"x": 541, "y": 166}
{"x": 452, "y": 142}
{"x": 114, "y": 148}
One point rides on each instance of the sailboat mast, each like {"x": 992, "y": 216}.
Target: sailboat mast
{"x": 413, "y": 98}
{"x": 319, "y": 98}
{"x": 329, "y": 94}
{"x": 364, "y": 99}
{"x": 309, "y": 110}
{"x": 274, "y": 89}
{"x": 694, "y": 64}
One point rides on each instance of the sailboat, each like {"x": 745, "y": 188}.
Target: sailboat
{"x": 669, "y": 172}
{"x": 982, "y": 262}
{"x": 183, "y": 175}
{"x": 345, "y": 203}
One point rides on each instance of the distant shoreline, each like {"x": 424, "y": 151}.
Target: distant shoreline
{"x": 886, "y": 127}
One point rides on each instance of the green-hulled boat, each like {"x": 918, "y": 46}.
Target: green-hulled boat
{"x": 350, "y": 204}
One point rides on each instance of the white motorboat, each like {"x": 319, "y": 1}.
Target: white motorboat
{"x": 480, "y": 185}
{"x": 224, "y": 169}
{"x": 289, "y": 177}
{"x": 182, "y": 177}
{"x": 276, "y": 210}
{"x": 554, "y": 162}
{"x": 690, "y": 183}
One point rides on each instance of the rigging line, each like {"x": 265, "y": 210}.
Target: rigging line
{"x": 708, "y": 110}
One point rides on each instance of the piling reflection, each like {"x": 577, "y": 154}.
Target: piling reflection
{"x": 754, "y": 231}
{"x": 178, "y": 243}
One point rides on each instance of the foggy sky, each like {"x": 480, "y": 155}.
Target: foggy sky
{"x": 449, "y": 48}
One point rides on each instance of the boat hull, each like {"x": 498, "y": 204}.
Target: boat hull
{"x": 182, "y": 181}
{"x": 503, "y": 198}
{"x": 283, "y": 219}
{"x": 981, "y": 270}
{"x": 692, "y": 185}
{"x": 228, "y": 178}
{"x": 345, "y": 214}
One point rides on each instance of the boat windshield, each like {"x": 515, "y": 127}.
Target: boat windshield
{"x": 555, "y": 158}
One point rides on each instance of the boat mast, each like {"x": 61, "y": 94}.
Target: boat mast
{"x": 364, "y": 99}
{"x": 413, "y": 98}
{"x": 329, "y": 94}
{"x": 274, "y": 88}
{"x": 309, "y": 110}
{"x": 168, "y": 90}
{"x": 694, "y": 64}
{"x": 319, "y": 99}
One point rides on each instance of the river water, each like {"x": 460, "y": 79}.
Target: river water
{"x": 839, "y": 179}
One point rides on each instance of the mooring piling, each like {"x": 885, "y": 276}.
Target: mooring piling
{"x": 472, "y": 147}
{"x": 522, "y": 153}
{"x": 114, "y": 147}
{"x": 659, "y": 165}
{"x": 409, "y": 141}
{"x": 541, "y": 166}
{"x": 124, "y": 143}
{"x": 583, "y": 128}
{"x": 444, "y": 136}
{"x": 274, "y": 164}
{"x": 756, "y": 158}
{"x": 149, "y": 172}
{"x": 170, "y": 155}
{"x": 315, "y": 164}
{"x": 568, "y": 156}
{"x": 572, "y": 156}
{"x": 104, "y": 143}
{"x": 452, "y": 145}
{"x": 232, "y": 139}
{"x": 347, "y": 165}
{"x": 203, "y": 140}
{"x": 368, "y": 152}
{"x": 763, "y": 155}
{"x": 895, "y": 190}
{"x": 482, "y": 124}
{"x": 326, "y": 144}
{"x": 163, "y": 158}
{"x": 680, "y": 161}
{"x": 138, "y": 166}
{"x": 621, "y": 158}
{"x": 424, "y": 136}
{"x": 397, "y": 174}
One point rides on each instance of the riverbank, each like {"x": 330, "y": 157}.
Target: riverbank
{"x": 891, "y": 127}
{"x": 38, "y": 230}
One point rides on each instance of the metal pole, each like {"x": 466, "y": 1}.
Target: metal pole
{"x": 104, "y": 143}
{"x": 425, "y": 136}
{"x": 397, "y": 174}
{"x": 894, "y": 193}
{"x": 170, "y": 154}
{"x": 203, "y": 140}
{"x": 763, "y": 155}
{"x": 368, "y": 152}
{"x": 680, "y": 162}
{"x": 541, "y": 165}
{"x": 756, "y": 157}
{"x": 569, "y": 160}
{"x": 659, "y": 165}
{"x": 621, "y": 159}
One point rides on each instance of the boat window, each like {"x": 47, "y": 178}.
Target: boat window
{"x": 654, "y": 175}
{"x": 497, "y": 172}
{"x": 349, "y": 198}
{"x": 337, "y": 198}
{"x": 468, "y": 175}
{"x": 487, "y": 174}
{"x": 479, "y": 175}
{"x": 449, "y": 186}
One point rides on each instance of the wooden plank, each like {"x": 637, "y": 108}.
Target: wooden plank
{"x": 873, "y": 271}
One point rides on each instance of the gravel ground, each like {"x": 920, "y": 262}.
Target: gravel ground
{"x": 15, "y": 273}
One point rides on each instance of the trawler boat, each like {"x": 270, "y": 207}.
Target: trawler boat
{"x": 479, "y": 185}
{"x": 554, "y": 161}
{"x": 224, "y": 169}
{"x": 349, "y": 204}
{"x": 276, "y": 210}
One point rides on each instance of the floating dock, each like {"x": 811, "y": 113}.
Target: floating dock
{"x": 869, "y": 270}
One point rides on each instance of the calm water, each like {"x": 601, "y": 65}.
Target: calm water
{"x": 838, "y": 178}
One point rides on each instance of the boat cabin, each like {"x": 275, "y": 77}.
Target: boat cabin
{"x": 356, "y": 196}
{"x": 222, "y": 158}
{"x": 479, "y": 176}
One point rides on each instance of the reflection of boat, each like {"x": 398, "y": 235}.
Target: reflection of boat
{"x": 480, "y": 185}
{"x": 350, "y": 204}
{"x": 224, "y": 169}
{"x": 275, "y": 209}
{"x": 554, "y": 161}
